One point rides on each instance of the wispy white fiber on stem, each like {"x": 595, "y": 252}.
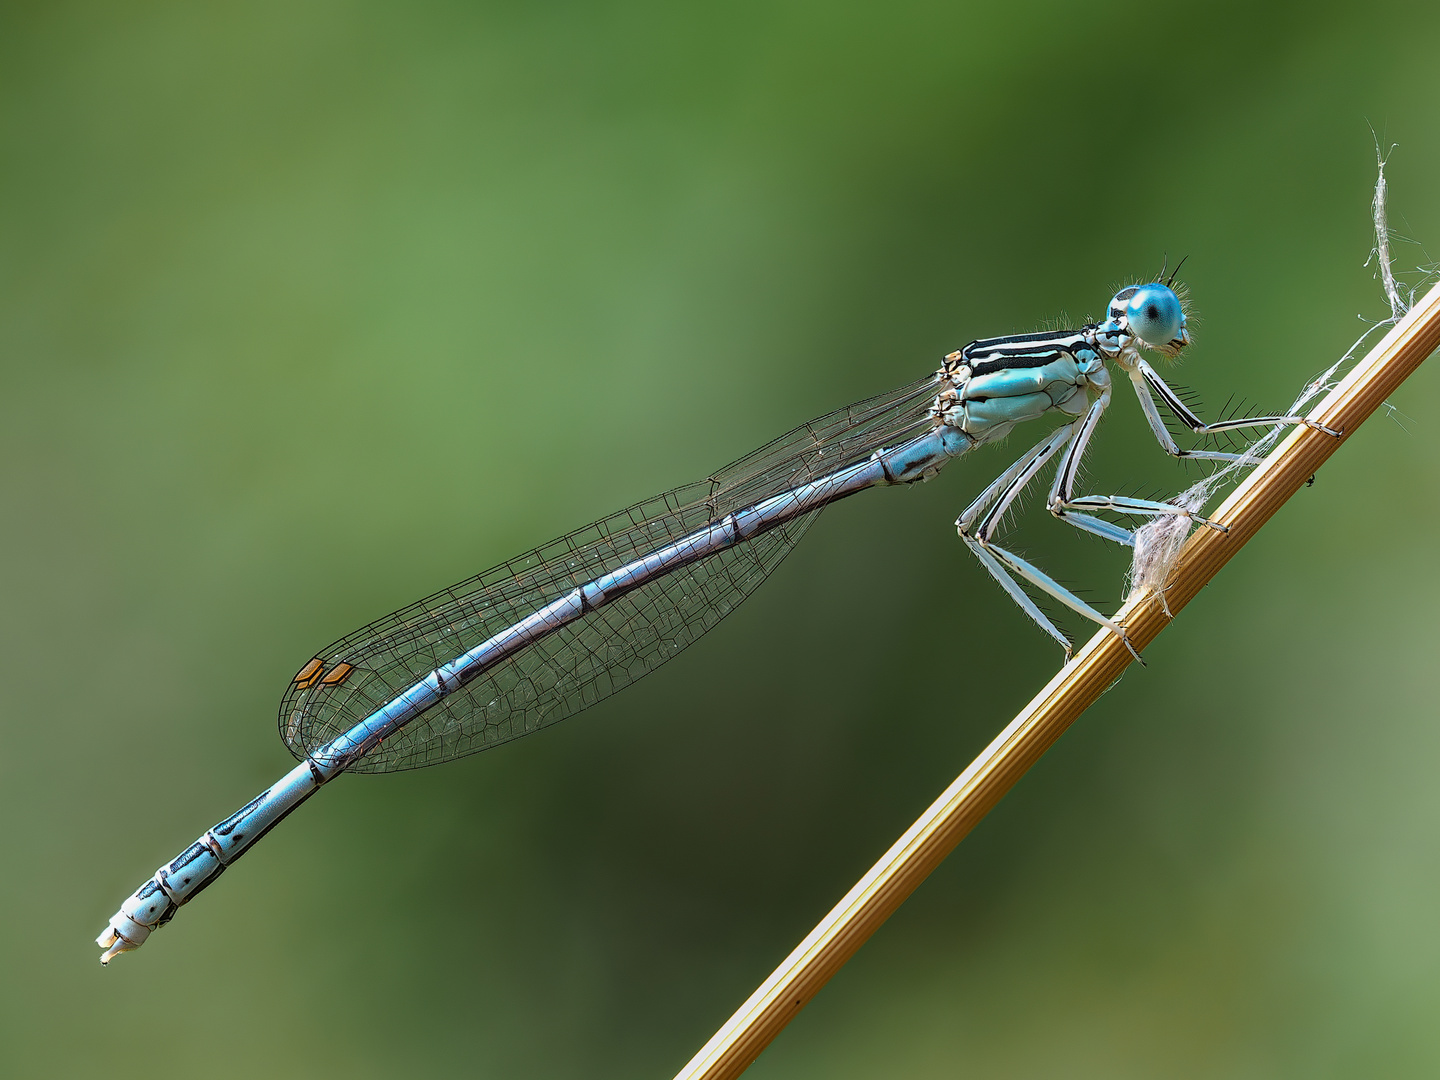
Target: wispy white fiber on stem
{"x": 1385, "y": 263}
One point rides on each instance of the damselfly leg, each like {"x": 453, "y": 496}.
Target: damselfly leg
{"x": 977, "y": 526}
{"x": 1144, "y": 378}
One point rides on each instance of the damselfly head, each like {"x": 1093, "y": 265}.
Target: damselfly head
{"x": 1146, "y": 316}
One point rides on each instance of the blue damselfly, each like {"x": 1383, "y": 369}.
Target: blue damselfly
{"x": 534, "y": 640}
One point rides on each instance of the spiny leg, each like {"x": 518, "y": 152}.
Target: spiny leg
{"x": 1145, "y": 378}
{"x": 998, "y": 497}
{"x": 1043, "y": 451}
{"x": 1003, "y": 564}
{"x": 1063, "y": 502}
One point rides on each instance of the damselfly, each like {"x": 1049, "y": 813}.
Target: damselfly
{"x": 541, "y": 637}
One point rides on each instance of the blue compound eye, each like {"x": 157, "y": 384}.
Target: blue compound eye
{"x": 1154, "y": 315}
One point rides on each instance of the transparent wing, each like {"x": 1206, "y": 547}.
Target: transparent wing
{"x": 603, "y": 651}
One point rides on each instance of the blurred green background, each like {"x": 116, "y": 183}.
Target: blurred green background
{"x": 309, "y": 310}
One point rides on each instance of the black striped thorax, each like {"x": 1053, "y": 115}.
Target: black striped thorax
{"x": 1024, "y": 351}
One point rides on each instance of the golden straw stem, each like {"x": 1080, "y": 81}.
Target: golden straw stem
{"x": 1102, "y": 660}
